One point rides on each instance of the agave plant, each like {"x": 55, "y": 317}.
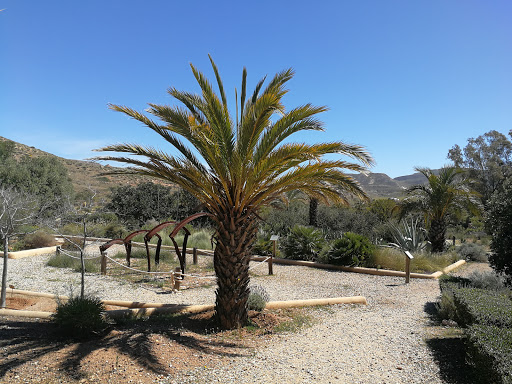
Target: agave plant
{"x": 409, "y": 236}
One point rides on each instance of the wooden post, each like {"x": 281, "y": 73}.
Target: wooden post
{"x": 194, "y": 256}
{"x": 408, "y": 258}
{"x": 172, "y": 281}
{"x": 274, "y": 239}
{"x": 177, "y": 280}
{"x": 104, "y": 263}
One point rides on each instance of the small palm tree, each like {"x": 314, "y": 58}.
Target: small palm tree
{"x": 441, "y": 195}
{"x": 235, "y": 165}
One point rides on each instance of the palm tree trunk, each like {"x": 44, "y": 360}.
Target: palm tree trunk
{"x": 313, "y": 212}
{"x": 437, "y": 235}
{"x": 231, "y": 263}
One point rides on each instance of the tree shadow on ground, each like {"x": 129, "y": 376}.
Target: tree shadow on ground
{"x": 448, "y": 349}
{"x": 23, "y": 341}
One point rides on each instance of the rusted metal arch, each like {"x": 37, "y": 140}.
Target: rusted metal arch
{"x": 127, "y": 241}
{"x": 110, "y": 243}
{"x": 181, "y": 225}
{"x": 149, "y": 236}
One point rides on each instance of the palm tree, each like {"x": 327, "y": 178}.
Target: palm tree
{"x": 235, "y": 166}
{"x": 441, "y": 195}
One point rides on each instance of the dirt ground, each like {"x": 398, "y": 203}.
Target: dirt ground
{"x": 33, "y": 351}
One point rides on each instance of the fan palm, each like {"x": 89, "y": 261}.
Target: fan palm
{"x": 236, "y": 165}
{"x": 442, "y": 194}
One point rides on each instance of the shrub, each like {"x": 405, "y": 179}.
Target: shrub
{"x": 498, "y": 222}
{"x": 262, "y": 246}
{"x": 258, "y": 298}
{"x": 472, "y": 251}
{"x": 81, "y": 317}
{"x": 351, "y": 250}
{"x": 475, "y": 305}
{"x": 490, "y": 350}
{"x": 38, "y": 239}
{"x": 303, "y": 243}
{"x": 336, "y": 220}
{"x": 487, "y": 280}
{"x": 446, "y": 307}
{"x": 114, "y": 230}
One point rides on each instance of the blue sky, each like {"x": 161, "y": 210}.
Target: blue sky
{"x": 406, "y": 79}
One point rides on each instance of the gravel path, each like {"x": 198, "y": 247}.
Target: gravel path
{"x": 383, "y": 342}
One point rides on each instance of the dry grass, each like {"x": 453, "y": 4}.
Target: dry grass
{"x": 393, "y": 259}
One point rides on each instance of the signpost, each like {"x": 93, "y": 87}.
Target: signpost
{"x": 408, "y": 259}
{"x": 273, "y": 239}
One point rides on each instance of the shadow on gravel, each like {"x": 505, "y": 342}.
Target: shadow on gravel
{"x": 447, "y": 347}
{"x": 25, "y": 341}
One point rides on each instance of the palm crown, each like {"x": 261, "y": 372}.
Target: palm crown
{"x": 243, "y": 163}
{"x": 443, "y": 193}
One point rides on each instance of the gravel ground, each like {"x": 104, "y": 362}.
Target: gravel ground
{"x": 383, "y": 342}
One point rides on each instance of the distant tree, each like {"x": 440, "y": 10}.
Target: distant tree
{"x": 17, "y": 211}
{"x": 385, "y": 209}
{"x": 499, "y": 224}
{"x": 184, "y": 204}
{"x": 141, "y": 203}
{"x": 6, "y": 150}
{"x": 488, "y": 159}
{"x": 44, "y": 177}
{"x": 443, "y": 194}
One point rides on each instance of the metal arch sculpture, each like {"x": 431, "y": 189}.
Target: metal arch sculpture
{"x": 127, "y": 241}
{"x": 179, "y": 226}
{"x": 149, "y": 236}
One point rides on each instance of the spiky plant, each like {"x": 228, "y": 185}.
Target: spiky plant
{"x": 235, "y": 165}
{"x": 409, "y": 236}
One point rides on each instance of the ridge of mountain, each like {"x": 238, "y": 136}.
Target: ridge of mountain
{"x": 86, "y": 174}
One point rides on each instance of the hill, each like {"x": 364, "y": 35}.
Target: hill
{"x": 87, "y": 175}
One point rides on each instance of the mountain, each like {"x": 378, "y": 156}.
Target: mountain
{"x": 86, "y": 175}
{"x": 379, "y": 185}
{"x": 89, "y": 175}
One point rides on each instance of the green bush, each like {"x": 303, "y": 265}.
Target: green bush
{"x": 475, "y": 305}
{"x": 489, "y": 349}
{"x": 258, "y": 298}
{"x": 446, "y": 307}
{"x": 498, "y": 223}
{"x": 351, "y": 250}
{"x": 303, "y": 243}
{"x": 472, "y": 251}
{"x": 38, "y": 239}
{"x": 81, "y": 317}
{"x": 262, "y": 246}
{"x": 487, "y": 280}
